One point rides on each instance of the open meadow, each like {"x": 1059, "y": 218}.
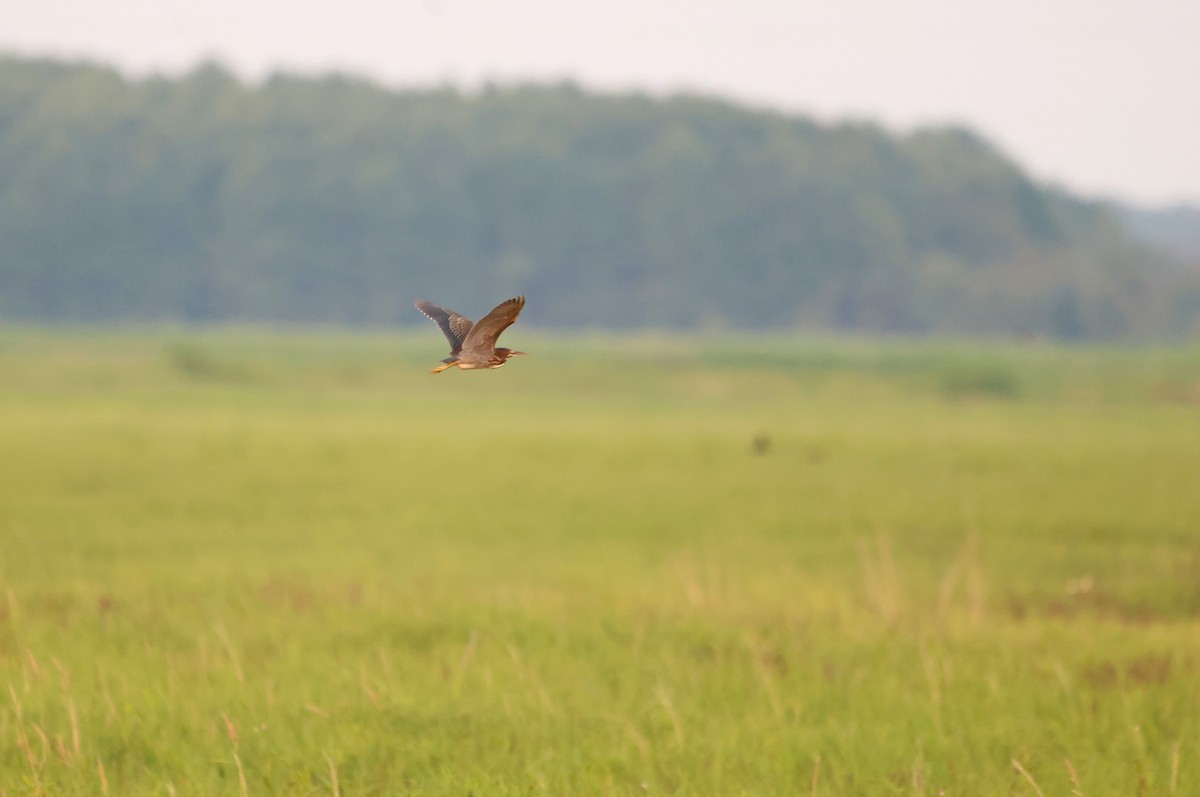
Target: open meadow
{"x": 247, "y": 562}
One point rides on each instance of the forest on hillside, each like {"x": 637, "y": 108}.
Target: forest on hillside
{"x": 203, "y": 198}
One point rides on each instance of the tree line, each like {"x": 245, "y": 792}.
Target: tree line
{"x": 204, "y": 198}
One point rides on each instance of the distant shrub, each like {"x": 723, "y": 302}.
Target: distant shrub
{"x": 196, "y": 362}
{"x": 990, "y": 379}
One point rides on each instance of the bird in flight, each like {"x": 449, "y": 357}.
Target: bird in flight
{"x": 474, "y": 345}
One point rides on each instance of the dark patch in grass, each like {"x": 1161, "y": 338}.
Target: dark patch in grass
{"x": 773, "y": 660}
{"x": 296, "y": 597}
{"x": 978, "y": 379}
{"x": 1148, "y": 670}
{"x": 196, "y": 362}
{"x": 816, "y": 453}
{"x": 1088, "y": 605}
{"x": 60, "y": 608}
{"x": 1176, "y": 391}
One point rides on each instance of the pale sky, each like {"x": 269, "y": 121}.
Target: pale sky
{"x": 1100, "y": 96}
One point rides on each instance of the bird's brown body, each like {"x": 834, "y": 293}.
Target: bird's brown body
{"x": 474, "y": 345}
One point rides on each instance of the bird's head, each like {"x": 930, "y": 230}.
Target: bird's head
{"x": 510, "y": 353}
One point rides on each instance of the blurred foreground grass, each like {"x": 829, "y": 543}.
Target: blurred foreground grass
{"x": 250, "y": 562}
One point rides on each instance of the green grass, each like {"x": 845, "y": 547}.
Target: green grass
{"x": 253, "y": 562}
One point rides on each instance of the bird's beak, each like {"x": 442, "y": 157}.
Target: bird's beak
{"x": 515, "y": 353}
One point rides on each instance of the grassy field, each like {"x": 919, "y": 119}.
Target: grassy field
{"x": 248, "y": 563}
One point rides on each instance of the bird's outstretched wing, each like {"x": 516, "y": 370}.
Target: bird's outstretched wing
{"x": 482, "y": 338}
{"x": 454, "y": 326}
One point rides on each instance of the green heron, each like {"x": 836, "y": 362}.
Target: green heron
{"x": 474, "y": 345}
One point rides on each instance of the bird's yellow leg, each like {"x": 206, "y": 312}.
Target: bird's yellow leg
{"x": 441, "y": 368}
